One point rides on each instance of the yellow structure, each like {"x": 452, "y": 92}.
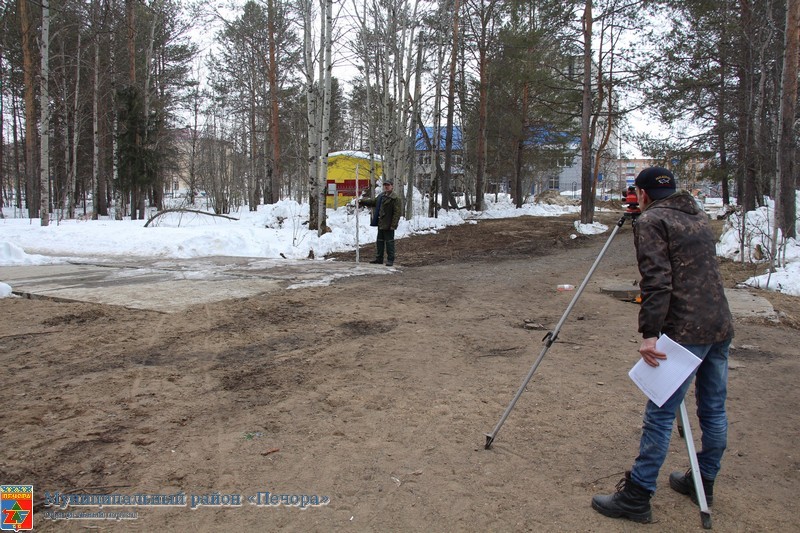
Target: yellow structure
{"x": 343, "y": 169}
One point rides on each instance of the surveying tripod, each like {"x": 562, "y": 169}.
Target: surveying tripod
{"x": 550, "y": 338}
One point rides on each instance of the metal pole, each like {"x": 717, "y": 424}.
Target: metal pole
{"x": 552, "y": 336}
{"x": 685, "y": 429}
{"x": 358, "y": 195}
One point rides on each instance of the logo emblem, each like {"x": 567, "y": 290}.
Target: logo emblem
{"x": 16, "y": 507}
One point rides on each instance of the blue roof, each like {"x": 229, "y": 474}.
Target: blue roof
{"x": 457, "y": 138}
{"x": 543, "y": 136}
{"x": 540, "y": 136}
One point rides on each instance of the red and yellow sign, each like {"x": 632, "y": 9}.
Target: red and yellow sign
{"x": 16, "y": 507}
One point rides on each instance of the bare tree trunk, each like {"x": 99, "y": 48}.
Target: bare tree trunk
{"x": 447, "y": 197}
{"x": 587, "y": 200}
{"x": 747, "y": 191}
{"x": 131, "y": 34}
{"x": 483, "y": 105}
{"x": 31, "y": 135}
{"x": 15, "y": 135}
{"x": 436, "y": 146}
{"x": 312, "y": 102}
{"x": 382, "y": 73}
{"x": 785, "y": 206}
{"x": 370, "y": 127}
{"x": 413, "y": 126}
{"x": 366, "y": 58}
{"x": 96, "y": 128}
{"x": 721, "y": 138}
{"x": 193, "y": 149}
{"x": 76, "y": 131}
{"x": 275, "y": 177}
{"x": 148, "y": 76}
{"x": 44, "y": 117}
{"x": 253, "y": 192}
{"x": 760, "y": 125}
{"x": 404, "y": 121}
{"x": 605, "y": 93}
{"x": 326, "y": 113}
{"x": 120, "y": 199}
{"x": 518, "y": 195}
{"x": 66, "y": 186}
{"x": 3, "y": 174}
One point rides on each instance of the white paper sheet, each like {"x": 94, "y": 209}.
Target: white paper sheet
{"x": 661, "y": 382}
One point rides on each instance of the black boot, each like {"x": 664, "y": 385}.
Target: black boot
{"x": 377, "y": 261}
{"x": 629, "y": 501}
{"x": 684, "y": 483}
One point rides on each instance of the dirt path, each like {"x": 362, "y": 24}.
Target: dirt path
{"x": 377, "y": 391}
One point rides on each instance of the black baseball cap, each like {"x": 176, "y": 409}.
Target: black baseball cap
{"x": 658, "y": 182}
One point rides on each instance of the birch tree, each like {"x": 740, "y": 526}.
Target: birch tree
{"x": 324, "y": 112}
{"x": 386, "y": 50}
{"x": 44, "y": 116}
{"x": 312, "y": 96}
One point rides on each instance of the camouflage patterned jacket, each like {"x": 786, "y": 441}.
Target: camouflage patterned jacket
{"x": 682, "y": 290}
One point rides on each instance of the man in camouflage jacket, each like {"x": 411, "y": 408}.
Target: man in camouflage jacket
{"x": 682, "y": 297}
{"x": 385, "y": 215}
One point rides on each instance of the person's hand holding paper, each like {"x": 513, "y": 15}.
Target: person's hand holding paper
{"x": 650, "y": 353}
{"x": 660, "y": 381}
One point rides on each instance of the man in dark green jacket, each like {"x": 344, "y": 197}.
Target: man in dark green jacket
{"x": 385, "y": 215}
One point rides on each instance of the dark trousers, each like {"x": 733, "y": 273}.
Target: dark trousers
{"x": 385, "y": 240}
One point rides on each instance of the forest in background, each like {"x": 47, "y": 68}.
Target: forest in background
{"x": 106, "y": 102}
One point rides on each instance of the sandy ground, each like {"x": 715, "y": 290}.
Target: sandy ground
{"x": 376, "y": 393}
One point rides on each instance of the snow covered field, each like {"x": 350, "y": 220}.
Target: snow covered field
{"x": 280, "y": 231}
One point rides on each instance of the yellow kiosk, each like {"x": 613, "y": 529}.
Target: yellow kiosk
{"x": 343, "y": 169}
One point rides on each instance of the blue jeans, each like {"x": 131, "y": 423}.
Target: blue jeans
{"x": 710, "y": 393}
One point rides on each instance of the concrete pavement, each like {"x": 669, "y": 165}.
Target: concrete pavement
{"x": 175, "y": 284}
{"x": 171, "y": 285}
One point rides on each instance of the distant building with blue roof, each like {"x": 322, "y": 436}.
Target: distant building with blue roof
{"x": 564, "y": 176}
{"x": 425, "y": 169}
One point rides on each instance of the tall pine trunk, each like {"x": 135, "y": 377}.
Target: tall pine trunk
{"x": 747, "y": 172}
{"x": 785, "y": 205}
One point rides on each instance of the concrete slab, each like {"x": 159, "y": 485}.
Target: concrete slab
{"x": 742, "y": 302}
{"x": 173, "y": 285}
{"x": 745, "y": 304}
{"x": 621, "y": 292}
